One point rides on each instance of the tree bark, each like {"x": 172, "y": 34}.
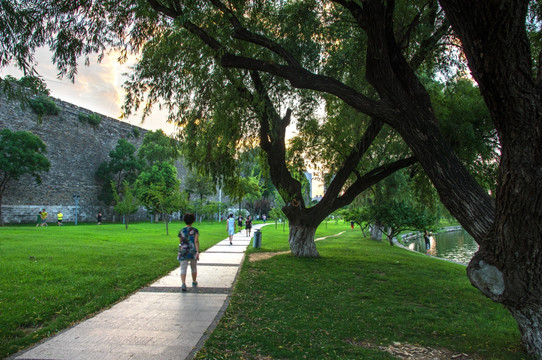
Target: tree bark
{"x": 376, "y": 232}
{"x": 301, "y": 239}
{"x": 302, "y": 227}
{"x": 508, "y": 266}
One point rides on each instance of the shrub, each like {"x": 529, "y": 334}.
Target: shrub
{"x": 44, "y": 105}
{"x": 92, "y": 119}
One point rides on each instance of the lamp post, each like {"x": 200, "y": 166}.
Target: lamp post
{"x": 219, "y": 203}
{"x": 76, "y": 199}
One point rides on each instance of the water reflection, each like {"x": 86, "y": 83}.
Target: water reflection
{"x": 457, "y": 246}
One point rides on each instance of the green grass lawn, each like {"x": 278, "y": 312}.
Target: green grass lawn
{"x": 55, "y": 276}
{"x": 358, "y": 292}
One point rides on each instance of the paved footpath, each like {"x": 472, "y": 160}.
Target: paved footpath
{"x": 157, "y": 322}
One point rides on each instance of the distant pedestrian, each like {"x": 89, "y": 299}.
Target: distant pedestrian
{"x": 230, "y": 227}
{"x": 240, "y": 222}
{"x": 352, "y": 225}
{"x": 38, "y": 219}
{"x": 427, "y": 240}
{"x": 264, "y": 218}
{"x": 59, "y": 218}
{"x": 248, "y": 225}
{"x": 99, "y": 218}
{"x": 44, "y": 217}
{"x": 188, "y": 250}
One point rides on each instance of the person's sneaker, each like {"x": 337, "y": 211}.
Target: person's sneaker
{"x": 194, "y": 283}
{"x": 183, "y": 287}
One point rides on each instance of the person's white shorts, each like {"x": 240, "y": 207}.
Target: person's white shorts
{"x": 231, "y": 232}
{"x": 184, "y": 266}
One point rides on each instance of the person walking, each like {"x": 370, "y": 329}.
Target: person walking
{"x": 248, "y": 225}
{"x": 59, "y": 217}
{"x": 38, "y": 219}
{"x": 188, "y": 250}
{"x": 427, "y": 241}
{"x": 230, "y": 227}
{"x": 240, "y": 222}
{"x": 99, "y": 218}
{"x": 44, "y": 217}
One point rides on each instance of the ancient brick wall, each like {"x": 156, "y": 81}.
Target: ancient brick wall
{"x": 75, "y": 150}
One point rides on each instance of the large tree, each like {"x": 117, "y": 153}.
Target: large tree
{"x": 286, "y": 41}
{"x": 123, "y": 167}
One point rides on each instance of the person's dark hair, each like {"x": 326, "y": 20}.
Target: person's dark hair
{"x": 189, "y": 218}
{"x": 231, "y": 215}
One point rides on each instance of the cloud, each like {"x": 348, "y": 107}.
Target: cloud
{"x": 97, "y": 87}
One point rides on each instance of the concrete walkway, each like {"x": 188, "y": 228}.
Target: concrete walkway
{"x": 157, "y": 322}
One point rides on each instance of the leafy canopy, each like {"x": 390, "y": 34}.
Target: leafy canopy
{"x": 21, "y": 153}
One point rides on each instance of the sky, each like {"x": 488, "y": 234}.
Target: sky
{"x": 97, "y": 87}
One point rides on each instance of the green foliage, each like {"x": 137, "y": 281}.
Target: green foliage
{"x": 396, "y": 217}
{"x": 276, "y": 213}
{"x": 123, "y": 166}
{"x": 158, "y": 147}
{"x": 21, "y": 88}
{"x": 466, "y": 123}
{"x": 210, "y": 209}
{"x": 136, "y": 133}
{"x": 21, "y": 153}
{"x": 359, "y": 216}
{"x": 126, "y": 205}
{"x": 200, "y": 185}
{"x": 158, "y": 188}
{"x": 92, "y": 119}
{"x": 44, "y": 105}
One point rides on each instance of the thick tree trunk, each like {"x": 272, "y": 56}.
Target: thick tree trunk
{"x": 376, "y": 232}
{"x": 529, "y": 319}
{"x": 508, "y": 266}
{"x": 301, "y": 239}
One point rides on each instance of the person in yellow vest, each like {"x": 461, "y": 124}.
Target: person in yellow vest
{"x": 59, "y": 217}
{"x": 43, "y": 217}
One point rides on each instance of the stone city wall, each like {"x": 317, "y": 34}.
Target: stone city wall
{"x": 75, "y": 150}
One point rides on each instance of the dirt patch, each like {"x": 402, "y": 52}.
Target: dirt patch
{"x": 325, "y": 237}
{"x": 269, "y": 255}
{"x": 265, "y": 255}
{"x": 416, "y": 352}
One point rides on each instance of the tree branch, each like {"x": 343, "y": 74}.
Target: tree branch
{"x": 303, "y": 79}
{"x": 243, "y": 33}
{"x": 273, "y": 140}
{"x": 428, "y": 45}
{"x": 353, "y": 159}
{"x": 187, "y": 24}
{"x": 371, "y": 178}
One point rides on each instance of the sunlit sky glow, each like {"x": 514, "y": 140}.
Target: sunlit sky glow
{"x": 97, "y": 87}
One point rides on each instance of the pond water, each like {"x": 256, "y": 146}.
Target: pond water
{"x": 455, "y": 245}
